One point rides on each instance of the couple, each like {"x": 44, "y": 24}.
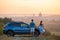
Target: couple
{"x": 41, "y": 27}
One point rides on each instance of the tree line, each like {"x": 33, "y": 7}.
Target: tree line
{"x": 5, "y": 20}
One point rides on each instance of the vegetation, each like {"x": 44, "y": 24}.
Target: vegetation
{"x": 1, "y": 28}
{"x": 3, "y": 21}
{"x": 47, "y": 33}
{"x": 50, "y": 36}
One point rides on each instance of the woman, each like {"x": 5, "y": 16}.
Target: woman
{"x": 41, "y": 28}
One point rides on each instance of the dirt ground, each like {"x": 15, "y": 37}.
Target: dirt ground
{"x": 19, "y": 37}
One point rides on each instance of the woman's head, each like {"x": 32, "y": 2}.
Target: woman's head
{"x": 41, "y": 22}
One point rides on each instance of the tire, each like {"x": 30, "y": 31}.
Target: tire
{"x": 36, "y": 33}
{"x": 10, "y": 33}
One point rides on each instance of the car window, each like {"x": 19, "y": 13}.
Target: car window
{"x": 24, "y": 25}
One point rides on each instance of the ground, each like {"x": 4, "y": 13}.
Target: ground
{"x": 19, "y": 37}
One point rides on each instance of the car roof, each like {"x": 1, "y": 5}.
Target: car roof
{"x": 16, "y": 23}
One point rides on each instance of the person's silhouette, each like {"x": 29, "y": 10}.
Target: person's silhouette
{"x": 41, "y": 28}
{"x": 32, "y": 24}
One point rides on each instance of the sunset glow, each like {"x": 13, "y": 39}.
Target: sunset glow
{"x": 29, "y": 6}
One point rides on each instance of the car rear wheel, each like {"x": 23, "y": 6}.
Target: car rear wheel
{"x": 10, "y": 33}
{"x": 36, "y": 33}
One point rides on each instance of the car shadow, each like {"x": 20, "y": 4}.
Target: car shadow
{"x": 24, "y": 36}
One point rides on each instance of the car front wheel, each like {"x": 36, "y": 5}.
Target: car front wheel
{"x": 10, "y": 33}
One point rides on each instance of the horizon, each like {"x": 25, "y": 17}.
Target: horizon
{"x": 26, "y": 15}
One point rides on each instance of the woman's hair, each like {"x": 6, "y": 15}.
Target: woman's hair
{"x": 41, "y": 22}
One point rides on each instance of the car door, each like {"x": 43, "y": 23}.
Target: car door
{"x": 24, "y": 28}
{"x": 16, "y": 27}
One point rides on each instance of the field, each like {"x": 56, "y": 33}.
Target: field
{"x": 50, "y": 24}
{"x": 52, "y": 27}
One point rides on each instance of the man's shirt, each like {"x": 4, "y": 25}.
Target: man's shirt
{"x": 32, "y": 24}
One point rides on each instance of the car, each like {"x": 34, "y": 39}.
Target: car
{"x": 13, "y": 28}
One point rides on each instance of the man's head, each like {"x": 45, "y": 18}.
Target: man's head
{"x": 32, "y": 20}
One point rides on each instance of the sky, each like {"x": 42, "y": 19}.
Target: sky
{"x": 22, "y": 7}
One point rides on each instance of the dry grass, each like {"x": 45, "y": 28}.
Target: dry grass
{"x": 53, "y": 37}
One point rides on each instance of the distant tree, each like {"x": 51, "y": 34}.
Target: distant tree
{"x": 5, "y": 20}
{"x": 1, "y": 20}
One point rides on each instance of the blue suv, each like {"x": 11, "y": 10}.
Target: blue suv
{"x": 13, "y": 28}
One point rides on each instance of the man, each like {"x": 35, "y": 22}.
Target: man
{"x": 32, "y": 24}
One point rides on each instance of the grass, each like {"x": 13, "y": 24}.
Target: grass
{"x": 51, "y": 37}
{"x": 46, "y": 36}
